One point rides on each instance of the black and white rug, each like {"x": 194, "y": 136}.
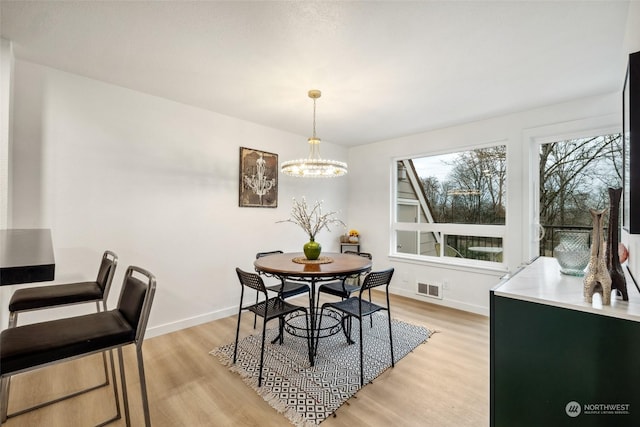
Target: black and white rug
{"x": 308, "y": 395}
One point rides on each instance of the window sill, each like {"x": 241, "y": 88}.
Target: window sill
{"x": 472, "y": 266}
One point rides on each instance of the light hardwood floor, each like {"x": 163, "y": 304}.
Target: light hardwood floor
{"x": 442, "y": 383}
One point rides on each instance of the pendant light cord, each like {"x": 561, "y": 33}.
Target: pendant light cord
{"x": 314, "y": 118}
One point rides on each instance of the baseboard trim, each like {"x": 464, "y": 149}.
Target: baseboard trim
{"x": 189, "y": 322}
{"x": 458, "y": 305}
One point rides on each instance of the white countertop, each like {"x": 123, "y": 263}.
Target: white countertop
{"x": 542, "y": 282}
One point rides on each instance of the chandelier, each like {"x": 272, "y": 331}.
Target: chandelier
{"x": 314, "y": 166}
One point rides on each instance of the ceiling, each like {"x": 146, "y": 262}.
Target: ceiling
{"x": 386, "y": 69}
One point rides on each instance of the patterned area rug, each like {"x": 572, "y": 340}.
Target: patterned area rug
{"x": 308, "y": 395}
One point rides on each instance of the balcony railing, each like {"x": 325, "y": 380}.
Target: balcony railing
{"x": 463, "y": 244}
{"x": 547, "y": 243}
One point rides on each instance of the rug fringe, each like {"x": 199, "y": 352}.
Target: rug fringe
{"x": 273, "y": 400}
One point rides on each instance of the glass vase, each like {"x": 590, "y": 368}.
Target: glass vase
{"x": 572, "y": 251}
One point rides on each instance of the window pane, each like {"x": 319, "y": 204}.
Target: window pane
{"x": 470, "y": 247}
{"x": 407, "y": 242}
{"x": 474, "y": 247}
{"x": 415, "y": 242}
{"x": 439, "y": 196}
{"x": 407, "y": 212}
{"x": 467, "y": 187}
{"x": 574, "y": 176}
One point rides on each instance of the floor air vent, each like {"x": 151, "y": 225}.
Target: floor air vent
{"x": 432, "y": 290}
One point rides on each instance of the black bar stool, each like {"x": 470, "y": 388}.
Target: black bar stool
{"x": 29, "y": 347}
{"x": 43, "y": 297}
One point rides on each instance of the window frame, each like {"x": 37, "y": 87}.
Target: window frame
{"x": 445, "y": 229}
{"x": 576, "y": 129}
{"x": 535, "y": 146}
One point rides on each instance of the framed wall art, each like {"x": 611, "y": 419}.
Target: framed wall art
{"x": 258, "y": 179}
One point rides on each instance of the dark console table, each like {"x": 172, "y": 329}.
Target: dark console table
{"x": 26, "y": 256}
{"x": 559, "y": 361}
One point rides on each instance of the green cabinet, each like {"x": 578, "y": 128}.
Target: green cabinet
{"x": 558, "y": 361}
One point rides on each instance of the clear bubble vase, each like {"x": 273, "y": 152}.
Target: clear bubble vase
{"x": 572, "y": 251}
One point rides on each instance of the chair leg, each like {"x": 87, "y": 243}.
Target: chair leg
{"x": 13, "y": 319}
{"x": 346, "y": 328}
{"x": 264, "y": 332}
{"x": 143, "y": 388}
{"x": 391, "y": 340}
{"x": 306, "y": 319}
{"x": 279, "y": 338}
{"x": 115, "y": 385}
{"x": 115, "y": 392}
{"x": 4, "y": 400}
{"x": 106, "y": 369}
{"x": 255, "y": 315}
{"x": 125, "y": 397}
{"x": 370, "y": 317}
{"x": 315, "y": 347}
{"x": 281, "y": 329}
{"x": 317, "y": 306}
{"x": 361, "y": 356}
{"x": 6, "y": 382}
{"x": 104, "y": 356}
{"x": 235, "y": 348}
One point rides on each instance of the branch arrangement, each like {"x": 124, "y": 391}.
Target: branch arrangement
{"x": 311, "y": 221}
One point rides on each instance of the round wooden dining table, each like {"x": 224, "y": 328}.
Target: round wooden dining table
{"x": 330, "y": 266}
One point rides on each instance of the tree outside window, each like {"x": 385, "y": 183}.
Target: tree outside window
{"x": 574, "y": 177}
{"x": 460, "y": 201}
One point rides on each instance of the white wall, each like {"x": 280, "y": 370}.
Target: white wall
{"x": 155, "y": 181}
{"x": 370, "y": 174}
{"x": 6, "y": 112}
{"x": 632, "y": 44}
{"x": 6, "y": 72}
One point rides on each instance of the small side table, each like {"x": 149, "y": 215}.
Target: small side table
{"x": 349, "y": 247}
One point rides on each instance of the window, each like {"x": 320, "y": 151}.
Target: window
{"x": 451, "y": 206}
{"x": 574, "y": 176}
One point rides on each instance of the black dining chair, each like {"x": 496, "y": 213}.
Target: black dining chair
{"x": 344, "y": 288}
{"x": 285, "y": 289}
{"x": 268, "y": 309}
{"x": 357, "y": 307}
{"x": 34, "y": 346}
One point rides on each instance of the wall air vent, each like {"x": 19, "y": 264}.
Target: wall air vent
{"x": 432, "y": 290}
